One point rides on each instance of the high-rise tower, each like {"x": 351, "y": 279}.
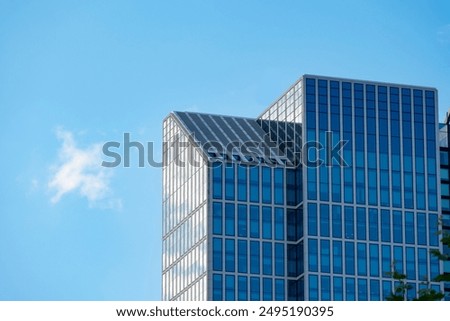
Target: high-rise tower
{"x": 333, "y": 187}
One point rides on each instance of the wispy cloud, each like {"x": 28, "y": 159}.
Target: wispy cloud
{"x": 79, "y": 171}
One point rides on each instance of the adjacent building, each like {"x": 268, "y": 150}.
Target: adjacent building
{"x": 330, "y": 189}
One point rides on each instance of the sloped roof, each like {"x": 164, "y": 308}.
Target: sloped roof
{"x": 226, "y": 131}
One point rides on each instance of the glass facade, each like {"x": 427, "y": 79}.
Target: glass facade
{"x": 184, "y": 254}
{"x": 320, "y": 223}
{"x": 444, "y": 154}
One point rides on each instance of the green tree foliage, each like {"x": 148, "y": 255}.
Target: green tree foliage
{"x": 426, "y": 294}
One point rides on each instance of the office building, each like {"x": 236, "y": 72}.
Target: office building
{"x": 330, "y": 189}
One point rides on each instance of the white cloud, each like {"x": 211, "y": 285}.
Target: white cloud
{"x": 80, "y": 171}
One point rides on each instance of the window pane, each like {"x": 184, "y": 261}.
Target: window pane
{"x": 229, "y": 181}
{"x": 217, "y": 287}
{"x": 254, "y": 221}
{"x": 242, "y": 288}
{"x": 242, "y": 220}
{"x": 242, "y": 182}
{"x": 217, "y": 180}
{"x": 324, "y": 220}
{"x": 337, "y": 257}
{"x": 254, "y": 257}
{"x": 254, "y": 184}
{"x": 254, "y": 289}
{"x": 217, "y": 254}
{"x": 267, "y": 258}
{"x": 313, "y": 255}
{"x": 229, "y": 288}
{"x": 279, "y": 223}
{"x": 267, "y": 222}
{"x": 229, "y": 219}
{"x": 242, "y": 256}
{"x": 325, "y": 256}
{"x": 266, "y": 185}
{"x": 267, "y": 289}
{"x": 279, "y": 259}
{"x": 229, "y": 255}
{"x": 349, "y": 258}
{"x": 217, "y": 218}
{"x": 279, "y": 186}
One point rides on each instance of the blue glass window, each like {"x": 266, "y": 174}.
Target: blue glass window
{"x": 433, "y": 229}
{"x": 387, "y": 289}
{"x": 324, "y": 220}
{"x": 337, "y": 257}
{"x": 421, "y": 229}
{"x": 267, "y": 258}
{"x": 279, "y": 259}
{"x": 434, "y": 266}
{"x": 278, "y": 186}
{"x": 279, "y": 290}
{"x": 242, "y": 182}
{"x": 242, "y": 256}
{"x": 386, "y": 260}
{"x": 409, "y": 227}
{"x": 291, "y": 187}
{"x": 325, "y": 289}
{"x": 294, "y": 224}
{"x": 266, "y": 185}
{"x": 349, "y": 222}
{"x": 242, "y": 220}
{"x": 373, "y": 224}
{"x": 312, "y": 183}
{"x": 385, "y": 226}
{"x": 229, "y": 255}
{"x": 267, "y": 289}
{"x": 313, "y": 255}
{"x": 217, "y": 180}
{"x": 313, "y": 288}
{"x": 361, "y": 223}
{"x": 217, "y": 287}
{"x": 279, "y": 223}
{"x": 217, "y": 218}
{"x": 229, "y": 181}
{"x": 229, "y": 219}
{"x": 398, "y": 258}
{"x": 254, "y": 289}
{"x": 242, "y": 288}
{"x": 338, "y": 288}
{"x": 349, "y": 258}
{"x": 374, "y": 260}
{"x": 410, "y": 263}
{"x": 254, "y": 184}
{"x": 398, "y": 226}
{"x": 350, "y": 289}
{"x": 362, "y": 290}
{"x": 254, "y": 221}
{"x": 337, "y": 221}
{"x": 325, "y": 256}
{"x": 336, "y": 183}
{"x": 267, "y": 222}
{"x": 411, "y": 292}
{"x": 312, "y": 219}
{"x": 254, "y": 257}
{"x": 230, "y": 288}
{"x": 362, "y": 259}
{"x": 422, "y": 258}
{"x": 375, "y": 290}
{"x": 217, "y": 254}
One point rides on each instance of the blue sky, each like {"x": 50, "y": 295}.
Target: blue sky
{"x": 75, "y": 74}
